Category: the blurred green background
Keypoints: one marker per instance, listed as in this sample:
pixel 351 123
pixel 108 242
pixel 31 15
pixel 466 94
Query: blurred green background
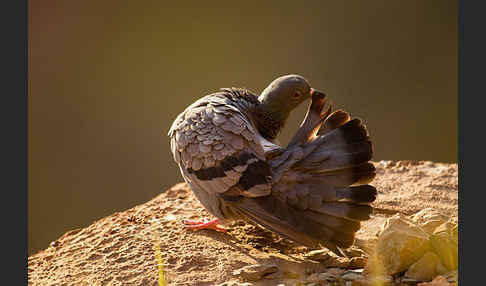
pixel 107 78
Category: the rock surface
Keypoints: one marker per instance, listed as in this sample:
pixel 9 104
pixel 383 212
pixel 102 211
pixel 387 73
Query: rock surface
pixel 444 242
pixel 401 243
pixel 429 219
pixel 121 249
pixel 255 272
pixel 426 268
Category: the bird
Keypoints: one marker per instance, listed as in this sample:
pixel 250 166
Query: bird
pixel 315 191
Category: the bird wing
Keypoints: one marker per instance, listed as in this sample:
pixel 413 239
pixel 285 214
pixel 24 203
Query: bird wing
pixel 320 190
pixel 218 148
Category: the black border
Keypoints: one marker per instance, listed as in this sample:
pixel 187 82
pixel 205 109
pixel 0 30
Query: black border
pixel 13 118
pixel 460 134
pixel 471 65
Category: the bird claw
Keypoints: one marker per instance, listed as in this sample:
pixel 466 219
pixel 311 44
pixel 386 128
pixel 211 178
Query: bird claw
pixel 195 225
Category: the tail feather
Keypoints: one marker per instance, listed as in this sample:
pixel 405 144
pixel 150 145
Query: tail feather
pixel 317 193
pixel 362 194
pixel 345 210
pixel 350 132
pixel 342 224
pixel 322 198
pixel 356 175
pixel 336 157
pixel 336 119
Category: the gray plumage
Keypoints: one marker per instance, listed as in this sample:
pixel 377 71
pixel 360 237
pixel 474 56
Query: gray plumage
pixel 314 191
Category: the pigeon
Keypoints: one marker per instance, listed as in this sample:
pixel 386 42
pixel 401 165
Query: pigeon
pixel 315 191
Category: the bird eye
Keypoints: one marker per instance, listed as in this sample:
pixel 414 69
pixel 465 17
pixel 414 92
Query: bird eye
pixel 296 94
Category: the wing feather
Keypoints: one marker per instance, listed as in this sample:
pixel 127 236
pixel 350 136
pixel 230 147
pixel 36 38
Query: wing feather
pixel 219 148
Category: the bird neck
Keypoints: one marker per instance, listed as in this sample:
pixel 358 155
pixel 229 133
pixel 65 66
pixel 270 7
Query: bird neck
pixel 270 119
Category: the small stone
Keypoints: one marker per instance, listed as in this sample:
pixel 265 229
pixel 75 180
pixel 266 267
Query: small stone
pixel 387 164
pixel 55 243
pixel 326 276
pixel 357 262
pixel 351 276
pixel 255 272
pixel 169 217
pixel 335 271
pixel 319 255
pixel 407 280
pixel 438 281
pixel 329 277
pixel 354 252
pixel 451 276
pixel 328 258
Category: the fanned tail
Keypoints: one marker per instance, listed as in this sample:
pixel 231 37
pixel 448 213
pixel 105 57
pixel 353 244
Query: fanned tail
pixel 322 194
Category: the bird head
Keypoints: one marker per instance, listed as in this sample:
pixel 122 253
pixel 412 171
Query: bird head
pixel 284 94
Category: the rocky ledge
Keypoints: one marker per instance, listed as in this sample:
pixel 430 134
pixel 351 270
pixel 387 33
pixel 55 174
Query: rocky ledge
pixel 410 240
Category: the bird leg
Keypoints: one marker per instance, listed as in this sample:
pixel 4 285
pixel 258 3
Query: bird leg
pixel 194 225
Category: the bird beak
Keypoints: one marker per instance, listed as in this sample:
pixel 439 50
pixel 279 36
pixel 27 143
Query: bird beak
pixel 318 95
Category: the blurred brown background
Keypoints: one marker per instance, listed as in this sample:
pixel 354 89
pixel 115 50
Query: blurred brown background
pixel 106 79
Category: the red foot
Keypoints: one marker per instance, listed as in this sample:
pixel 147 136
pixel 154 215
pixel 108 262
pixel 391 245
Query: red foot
pixel 194 225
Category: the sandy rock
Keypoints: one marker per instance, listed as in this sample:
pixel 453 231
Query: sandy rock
pixel 444 243
pixel 438 281
pixel 119 249
pixel 401 243
pixel 235 283
pixel 255 272
pixel 327 258
pixel 426 268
